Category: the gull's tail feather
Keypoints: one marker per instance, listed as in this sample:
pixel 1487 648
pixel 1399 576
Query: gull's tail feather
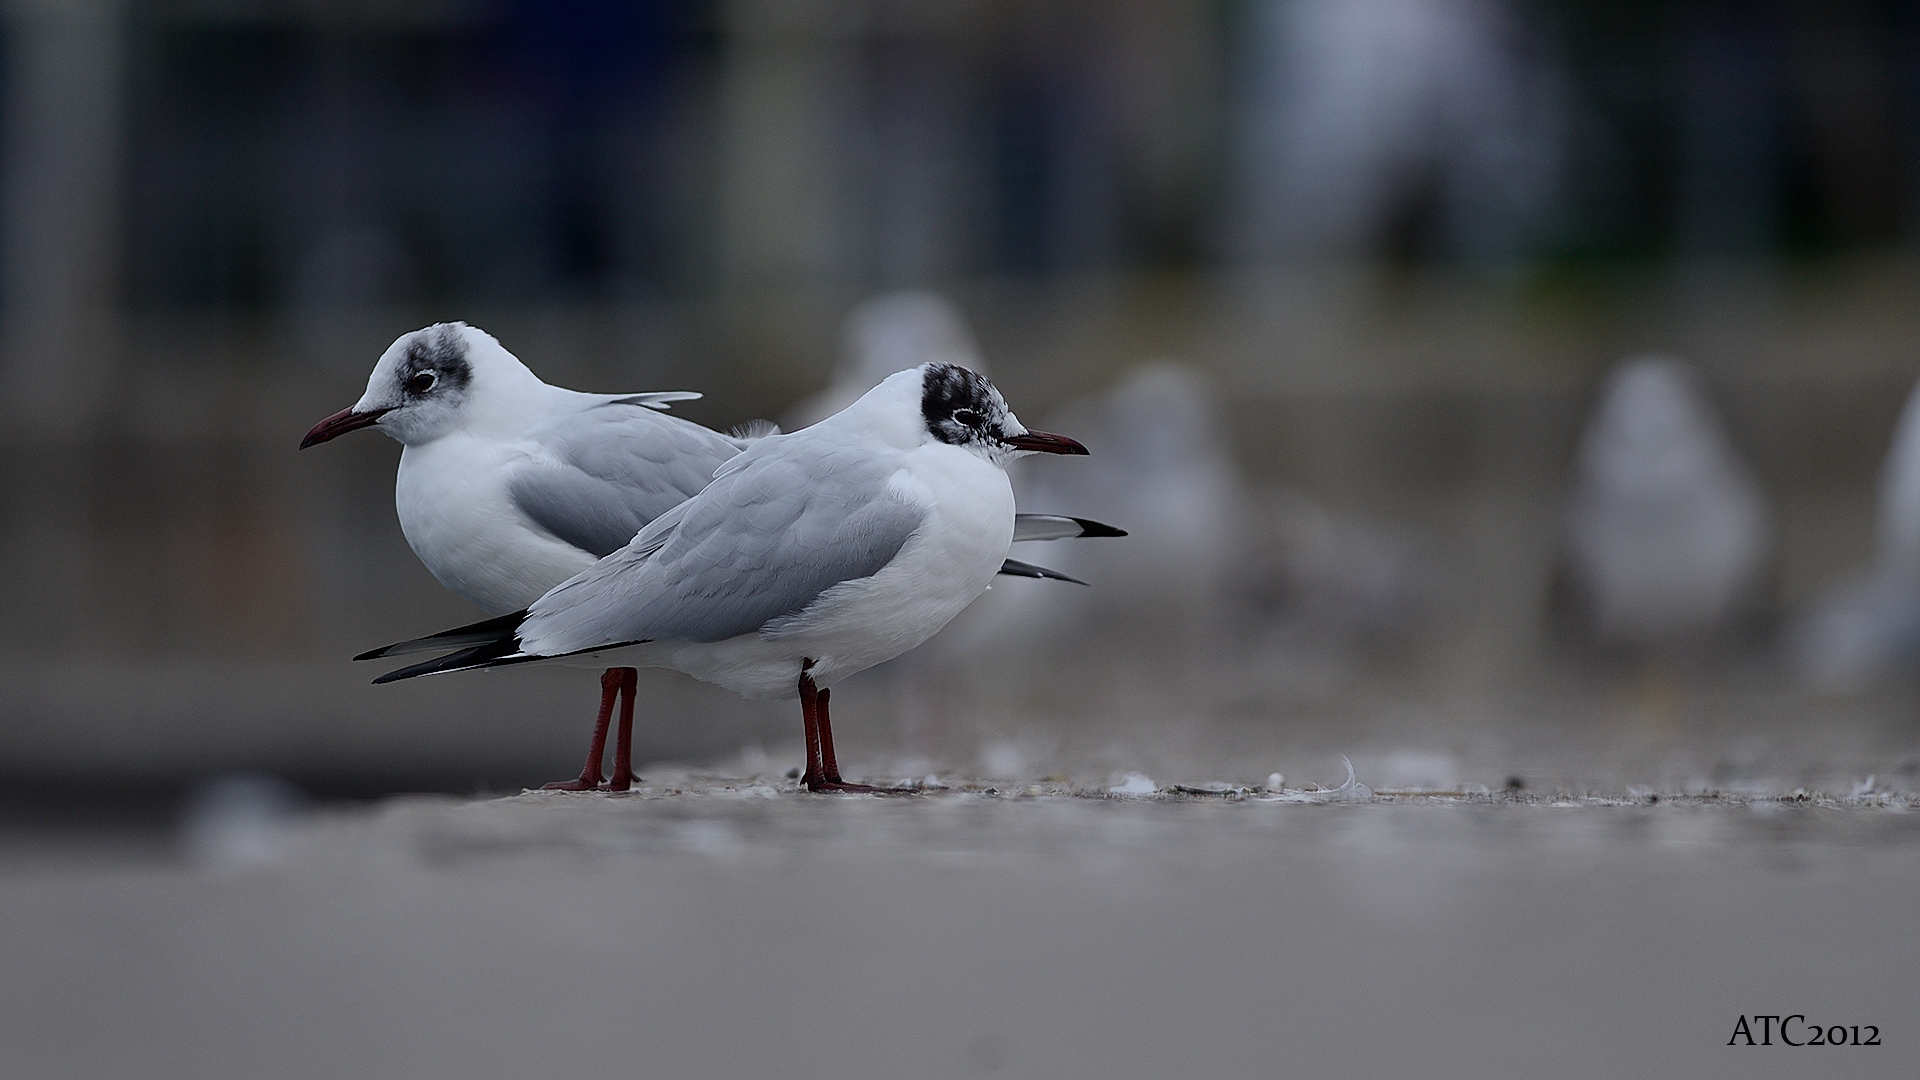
pixel 486 632
pixel 1016 568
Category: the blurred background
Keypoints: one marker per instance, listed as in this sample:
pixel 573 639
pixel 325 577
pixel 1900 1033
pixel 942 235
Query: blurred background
pixel 1498 391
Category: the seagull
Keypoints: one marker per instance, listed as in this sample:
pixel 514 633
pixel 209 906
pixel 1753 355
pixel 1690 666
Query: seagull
pixel 811 556
pixel 1666 527
pixel 508 485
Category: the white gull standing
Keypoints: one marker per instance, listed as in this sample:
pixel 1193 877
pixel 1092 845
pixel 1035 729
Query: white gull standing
pixel 811 556
pixel 508 486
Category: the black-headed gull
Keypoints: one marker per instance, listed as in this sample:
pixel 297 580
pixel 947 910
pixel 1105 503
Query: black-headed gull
pixel 508 486
pixel 811 556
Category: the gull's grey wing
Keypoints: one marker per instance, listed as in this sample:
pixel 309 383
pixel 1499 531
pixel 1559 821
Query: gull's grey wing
pixel 1058 527
pixel 764 541
pixel 610 469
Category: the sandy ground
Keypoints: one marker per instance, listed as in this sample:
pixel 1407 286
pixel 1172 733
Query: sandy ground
pixel 705 927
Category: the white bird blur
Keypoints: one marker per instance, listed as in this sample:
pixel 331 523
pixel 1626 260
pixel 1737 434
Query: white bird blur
pixel 1162 465
pixel 1666 528
pixel 508 486
pixel 1357 111
pixel 1869 622
pixel 811 556
pixel 892 332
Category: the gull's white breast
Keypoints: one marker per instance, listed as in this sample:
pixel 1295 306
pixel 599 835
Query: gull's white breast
pixel 459 517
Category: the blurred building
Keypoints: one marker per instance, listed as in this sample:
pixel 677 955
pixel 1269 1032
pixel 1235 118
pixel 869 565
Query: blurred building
pixel 258 154
pixel 1401 237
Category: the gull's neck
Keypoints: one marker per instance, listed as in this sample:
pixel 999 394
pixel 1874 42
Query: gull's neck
pixel 888 413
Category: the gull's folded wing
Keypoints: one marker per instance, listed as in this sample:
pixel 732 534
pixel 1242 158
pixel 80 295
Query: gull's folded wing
pixel 601 474
pixel 764 541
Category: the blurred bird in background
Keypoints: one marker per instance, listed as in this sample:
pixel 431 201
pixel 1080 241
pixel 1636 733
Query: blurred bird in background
pixel 1166 469
pixel 1666 529
pixel 1144 652
pixel 1864 627
pixel 891 332
pixel 1224 591
pixel 1421 124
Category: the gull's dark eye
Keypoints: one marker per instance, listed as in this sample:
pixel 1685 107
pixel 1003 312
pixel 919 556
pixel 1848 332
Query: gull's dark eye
pixel 967 417
pixel 422 381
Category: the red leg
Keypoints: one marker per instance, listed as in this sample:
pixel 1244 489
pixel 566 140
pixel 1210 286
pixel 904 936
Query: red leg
pixel 810 720
pixel 623 777
pixel 829 767
pixel 590 775
pixel 823 772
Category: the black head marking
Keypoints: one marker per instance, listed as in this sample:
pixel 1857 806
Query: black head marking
pixel 436 362
pixel 960 406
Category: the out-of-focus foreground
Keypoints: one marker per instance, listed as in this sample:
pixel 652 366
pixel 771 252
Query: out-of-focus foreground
pixel 741 930
pixel 1492 390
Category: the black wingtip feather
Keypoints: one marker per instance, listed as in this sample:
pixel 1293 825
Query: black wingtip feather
pixel 1016 568
pixel 492 654
pixel 1089 527
pixel 481 633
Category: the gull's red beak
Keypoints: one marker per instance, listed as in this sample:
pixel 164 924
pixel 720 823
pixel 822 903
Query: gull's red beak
pixel 1045 443
pixel 347 420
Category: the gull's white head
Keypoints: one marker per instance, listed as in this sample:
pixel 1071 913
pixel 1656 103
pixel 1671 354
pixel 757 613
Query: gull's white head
pixel 428 383
pixel 959 407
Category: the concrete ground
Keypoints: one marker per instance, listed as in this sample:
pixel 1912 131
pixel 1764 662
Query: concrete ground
pixel 702 926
